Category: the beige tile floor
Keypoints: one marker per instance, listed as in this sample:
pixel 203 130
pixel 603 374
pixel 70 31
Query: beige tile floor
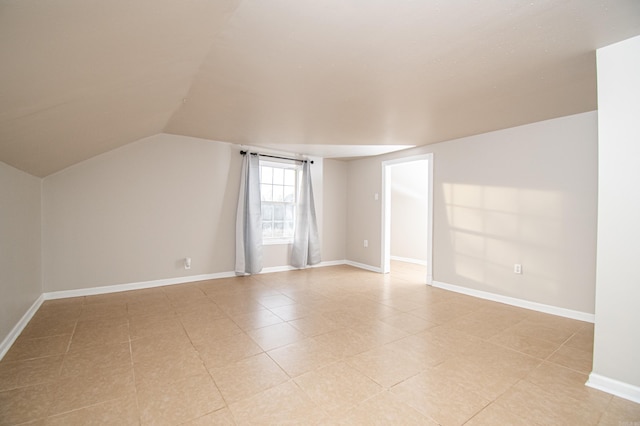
pixel 333 345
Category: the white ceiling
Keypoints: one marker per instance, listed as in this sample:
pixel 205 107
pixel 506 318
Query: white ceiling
pixel 81 77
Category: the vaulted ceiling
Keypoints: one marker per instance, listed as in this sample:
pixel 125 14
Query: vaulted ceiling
pixel 82 77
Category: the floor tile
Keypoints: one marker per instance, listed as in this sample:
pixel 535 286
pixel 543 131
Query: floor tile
pixel 315 324
pixel 408 323
pixel 275 336
pixel 386 409
pixel 145 326
pixel 104 310
pixel 46 327
pixel 563 382
pixel 238 305
pixel 302 356
pixel 476 327
pixel 25 404
pixel 28 348
pixel 582 339
pixel 286 403
pixel 258 319
pixel 337 387
pixel 247 377
pixel 153 347
pixel 440 313
pixel 275 301
pixel 345 342
pixel 185 399
pixel 379 333
pixel 221 417
pixel 84 338
pixel 291 312
pixel 526 344
pixel 576 359
pixel 494 414
pixel 439 399
pixel 123 411
pixel 218 353
pixel 143 307
pixel 621 412
pixel 169 367
pixel 537 406
pixel 17 374
pixel 104 358
pixel 93 388
pixel 387 365
pixel 544 330
pixel 484 376
pixel 219 328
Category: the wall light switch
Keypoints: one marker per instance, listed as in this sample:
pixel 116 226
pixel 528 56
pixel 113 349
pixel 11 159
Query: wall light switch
pixel 366 243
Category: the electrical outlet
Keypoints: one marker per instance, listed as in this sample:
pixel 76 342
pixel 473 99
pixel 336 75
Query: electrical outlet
pixel 365 243
pixel 187 263
pixel 517 268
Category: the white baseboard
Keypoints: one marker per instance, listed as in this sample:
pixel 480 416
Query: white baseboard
pixel 614 387
pixel 133 286
pixel 285 268
pixel 17 329
pixel 271 269
pixel 330 263
pixel 363 266
pixel 521 303
pixel 409 260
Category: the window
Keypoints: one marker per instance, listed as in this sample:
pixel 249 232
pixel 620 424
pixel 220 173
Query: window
pixel 279 189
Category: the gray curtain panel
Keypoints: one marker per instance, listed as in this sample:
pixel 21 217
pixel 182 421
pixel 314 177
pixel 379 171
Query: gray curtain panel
pixel 249 219
pixel 306 242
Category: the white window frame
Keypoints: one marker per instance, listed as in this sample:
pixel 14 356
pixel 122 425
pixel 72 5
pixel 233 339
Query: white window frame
pixel 282 165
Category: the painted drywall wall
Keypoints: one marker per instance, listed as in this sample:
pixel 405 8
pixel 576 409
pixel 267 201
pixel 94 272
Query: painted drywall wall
pixel 335 210
pixel 616 344
pixel 363 212
pixel 20 265
pixel 409 204
pixel 524 195
pixel 133 214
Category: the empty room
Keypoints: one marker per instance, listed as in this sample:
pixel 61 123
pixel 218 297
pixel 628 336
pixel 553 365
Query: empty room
pixel 319 212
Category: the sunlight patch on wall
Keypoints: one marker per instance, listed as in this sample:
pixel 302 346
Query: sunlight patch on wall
pixel 494 227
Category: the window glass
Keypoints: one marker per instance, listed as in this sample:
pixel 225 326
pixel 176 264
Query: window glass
pixel 266 174
pixel 279 187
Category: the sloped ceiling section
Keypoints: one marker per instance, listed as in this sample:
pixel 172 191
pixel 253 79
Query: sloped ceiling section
pixel 81 77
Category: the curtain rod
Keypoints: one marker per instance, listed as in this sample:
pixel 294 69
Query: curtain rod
pixel 275 156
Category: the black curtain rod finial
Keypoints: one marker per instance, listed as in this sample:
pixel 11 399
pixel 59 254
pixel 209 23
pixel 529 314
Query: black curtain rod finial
pixel 275 156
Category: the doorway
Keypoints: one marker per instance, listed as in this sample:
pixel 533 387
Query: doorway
pixel 411 180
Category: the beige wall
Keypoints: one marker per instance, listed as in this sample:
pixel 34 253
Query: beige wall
pixel 20 265
pixel 335 210
pixel 522 195
pixel 364 179
pixel 409 203
pixel 133 214
pixel 617 345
